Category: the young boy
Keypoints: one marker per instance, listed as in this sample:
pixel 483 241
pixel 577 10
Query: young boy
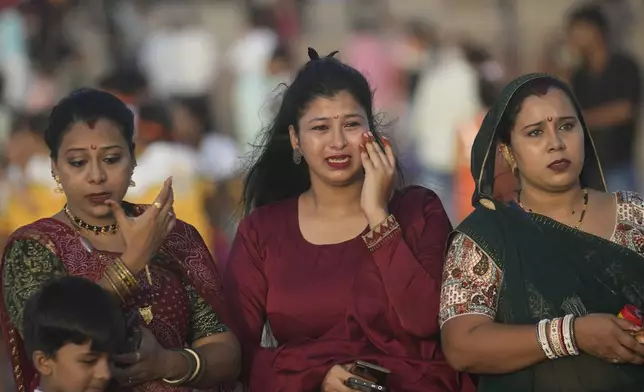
pixel 70 329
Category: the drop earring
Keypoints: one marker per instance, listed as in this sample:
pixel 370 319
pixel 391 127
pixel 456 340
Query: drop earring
pixel 297 156
pixel 59 187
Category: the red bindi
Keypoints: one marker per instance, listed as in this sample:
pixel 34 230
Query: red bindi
pixel 93 147
pixel 336 116
pixel 549 119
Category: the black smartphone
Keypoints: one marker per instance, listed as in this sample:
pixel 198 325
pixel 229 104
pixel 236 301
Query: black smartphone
pixel 363 386
pixel 371 372
pixel 133 338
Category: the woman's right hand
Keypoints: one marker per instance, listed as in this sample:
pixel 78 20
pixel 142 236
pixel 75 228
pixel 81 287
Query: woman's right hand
pixel 144 234
pixel 335 379
pixel 610 338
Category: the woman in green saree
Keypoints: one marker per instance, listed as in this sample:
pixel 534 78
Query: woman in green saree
pixel 535 276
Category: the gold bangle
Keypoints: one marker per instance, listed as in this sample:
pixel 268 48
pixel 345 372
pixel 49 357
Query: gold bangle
pixel 116 290
pixel 125 275
pixel 122 279
pixel 119 263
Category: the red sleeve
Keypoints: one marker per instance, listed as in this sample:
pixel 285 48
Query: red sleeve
pixel 410 260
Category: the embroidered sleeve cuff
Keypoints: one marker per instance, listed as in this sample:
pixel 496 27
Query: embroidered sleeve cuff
pixel 379 235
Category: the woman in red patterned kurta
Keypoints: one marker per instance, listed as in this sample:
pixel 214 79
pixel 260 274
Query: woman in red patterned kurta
pixel 156 265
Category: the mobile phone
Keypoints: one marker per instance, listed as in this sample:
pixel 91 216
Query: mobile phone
pixel 371 372
pixel 364 386
pixel 133 338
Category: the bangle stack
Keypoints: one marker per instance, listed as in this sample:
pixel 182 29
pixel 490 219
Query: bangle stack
pixel 121 279
pixel 557 337
pixel 194 368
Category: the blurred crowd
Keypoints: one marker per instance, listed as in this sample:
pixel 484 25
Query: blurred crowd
pixel 200 106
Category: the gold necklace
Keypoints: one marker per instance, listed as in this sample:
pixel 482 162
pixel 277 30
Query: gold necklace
pixel 583 211
pixel 97 230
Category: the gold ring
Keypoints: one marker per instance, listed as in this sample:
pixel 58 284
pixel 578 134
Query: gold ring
pixel 157 205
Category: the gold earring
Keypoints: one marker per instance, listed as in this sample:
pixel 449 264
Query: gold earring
pixel 59 187
pixel 132 184
pixel 297 156
pixel 509 159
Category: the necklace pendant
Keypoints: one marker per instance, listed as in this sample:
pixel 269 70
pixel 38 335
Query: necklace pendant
pixel 147 315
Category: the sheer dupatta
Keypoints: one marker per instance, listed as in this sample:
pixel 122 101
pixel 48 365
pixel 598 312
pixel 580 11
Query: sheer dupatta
pixel 549 269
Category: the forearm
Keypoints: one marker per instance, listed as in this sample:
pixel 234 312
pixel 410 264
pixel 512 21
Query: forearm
pixel 494 348
pixel 222 361
pixel 219 362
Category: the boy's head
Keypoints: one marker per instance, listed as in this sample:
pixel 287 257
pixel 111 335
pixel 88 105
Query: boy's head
pixel 70 329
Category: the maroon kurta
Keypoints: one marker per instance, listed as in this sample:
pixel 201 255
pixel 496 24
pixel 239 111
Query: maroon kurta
pixel 333 304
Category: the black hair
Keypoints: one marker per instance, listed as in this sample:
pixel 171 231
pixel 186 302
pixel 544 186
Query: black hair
pixel 538 87
pixel 488 92
pixel 199 108
pixel 35 123
pixel 155 112
pixel 282 52
pixel 261 17
pixel 88 105
pixel 476 55
pixel 72 310
pixel 592 15
pixel 273 176
pixel 127 81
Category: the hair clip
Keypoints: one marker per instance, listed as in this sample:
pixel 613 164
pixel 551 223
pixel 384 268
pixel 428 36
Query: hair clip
pixel 314 55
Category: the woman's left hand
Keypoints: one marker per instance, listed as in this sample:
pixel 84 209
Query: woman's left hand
pixel 148 363
pixel 380 170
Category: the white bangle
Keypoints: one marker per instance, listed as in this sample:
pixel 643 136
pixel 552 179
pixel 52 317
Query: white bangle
pixel 198 364
pixel 194 365
pixel 542 338
pixel 556 340
pixel 569 334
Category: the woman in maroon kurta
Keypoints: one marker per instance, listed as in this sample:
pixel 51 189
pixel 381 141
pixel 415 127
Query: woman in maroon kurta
pixel 332 266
